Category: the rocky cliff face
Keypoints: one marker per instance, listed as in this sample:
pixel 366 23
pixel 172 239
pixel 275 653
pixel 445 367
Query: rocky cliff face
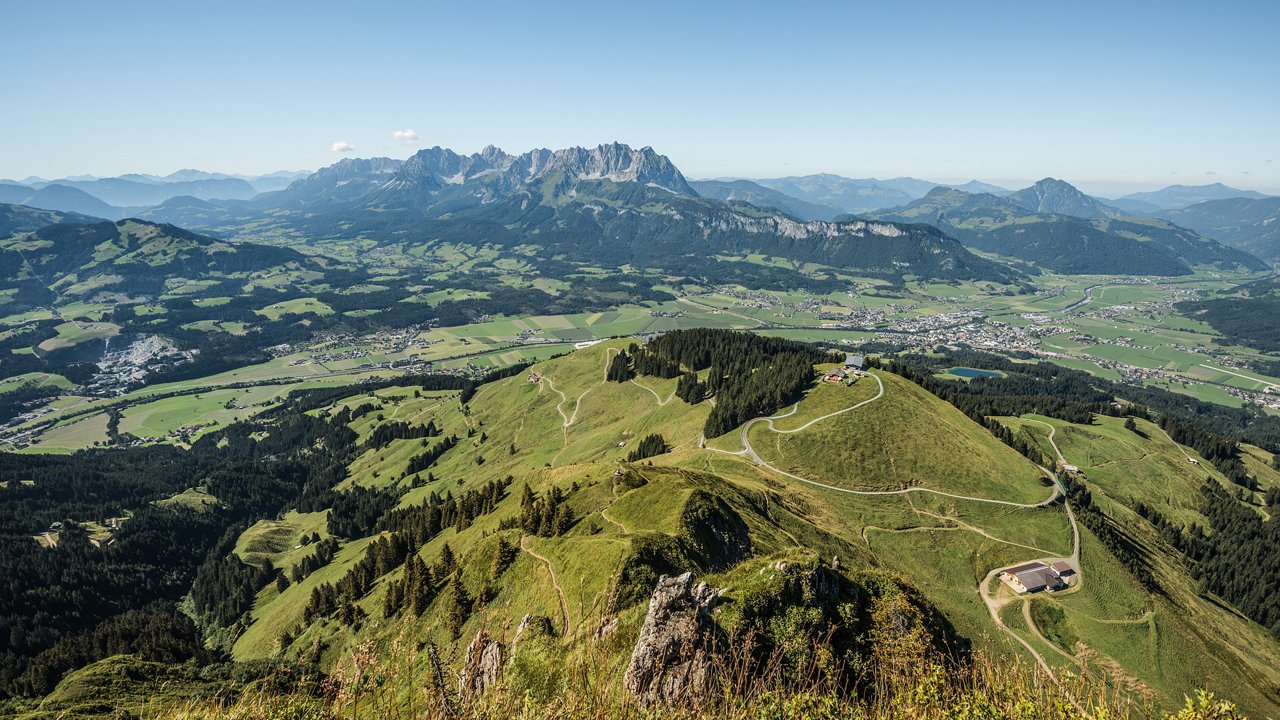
pixel 620 163
pixel 481 666
pixel 674 657
pixel 492 173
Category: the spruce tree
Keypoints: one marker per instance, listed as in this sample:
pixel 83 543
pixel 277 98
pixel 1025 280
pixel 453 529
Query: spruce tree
pixel 503 556
pixel 459 606
pixel 448 563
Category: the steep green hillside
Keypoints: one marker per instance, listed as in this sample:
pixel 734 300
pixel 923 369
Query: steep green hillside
pixel 1176 632
pixel 1251 224
pixel 936 486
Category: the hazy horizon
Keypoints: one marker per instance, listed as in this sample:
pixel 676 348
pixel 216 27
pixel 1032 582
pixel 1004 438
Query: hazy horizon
pixel 1103 188
pixel 1113 100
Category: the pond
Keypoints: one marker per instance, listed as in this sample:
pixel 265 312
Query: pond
pixel 965 372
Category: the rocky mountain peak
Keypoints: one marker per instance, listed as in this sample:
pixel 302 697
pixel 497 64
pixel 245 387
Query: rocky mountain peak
pixel 1058 197
pixel 621 163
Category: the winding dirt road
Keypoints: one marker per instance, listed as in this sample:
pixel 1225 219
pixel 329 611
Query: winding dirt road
pixel 993 606
pixel 655 395
pixel 750 452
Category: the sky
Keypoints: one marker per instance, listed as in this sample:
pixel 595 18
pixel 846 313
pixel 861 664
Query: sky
pixel 1111 96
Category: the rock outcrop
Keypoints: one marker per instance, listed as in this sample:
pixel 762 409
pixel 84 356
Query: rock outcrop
pixel 674 657
pixel 481 666
pixel 530 626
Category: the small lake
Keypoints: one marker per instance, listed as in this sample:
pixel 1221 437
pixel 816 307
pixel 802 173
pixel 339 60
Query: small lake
pixel 965 372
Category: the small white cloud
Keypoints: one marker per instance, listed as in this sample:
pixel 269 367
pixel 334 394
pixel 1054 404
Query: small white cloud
pixel 342 146
pixel 406 136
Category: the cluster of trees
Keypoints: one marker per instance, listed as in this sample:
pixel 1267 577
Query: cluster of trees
pixel 426 459
pixel 355 512
pixel 1248 321
pixel 1270 368
pixel 744 389
pixel 750 375
pixel 421 584
pixel 381 557
pixel 416 588
pixel 650 445
pixel 620 368
pixel 385 433
pixel 225 588
pixel 652 364
pixel 547 516
pixel 1042 388
pixel 1026 446
pixel 348 414
pixel 408 530
pixel 690 389
pixel 425 521
pixel 321 556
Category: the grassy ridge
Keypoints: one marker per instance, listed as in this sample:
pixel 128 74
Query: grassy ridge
pixel 572 430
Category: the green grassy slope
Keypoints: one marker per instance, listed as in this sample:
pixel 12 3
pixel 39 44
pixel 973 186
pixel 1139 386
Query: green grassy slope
pixel 1165 640
pixel 882 447
pixel 705 510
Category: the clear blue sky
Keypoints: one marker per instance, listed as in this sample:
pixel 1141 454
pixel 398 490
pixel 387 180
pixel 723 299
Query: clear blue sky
pixel 1111 96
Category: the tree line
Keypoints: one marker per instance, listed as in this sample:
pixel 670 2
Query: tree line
pixel 750 375
pixel 1235 556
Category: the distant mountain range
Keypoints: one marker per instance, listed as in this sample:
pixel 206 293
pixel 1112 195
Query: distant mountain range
pixel 611 205
pixel 1055 226
pixel 61 198
pixel 117 197
pixel 761 196
pixel 859 196
pixel 122 192
pixel 1180 196
pixel 634 205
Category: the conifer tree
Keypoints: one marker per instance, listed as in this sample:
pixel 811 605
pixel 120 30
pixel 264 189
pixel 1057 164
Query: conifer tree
pixel 459 605
pixel 503 556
